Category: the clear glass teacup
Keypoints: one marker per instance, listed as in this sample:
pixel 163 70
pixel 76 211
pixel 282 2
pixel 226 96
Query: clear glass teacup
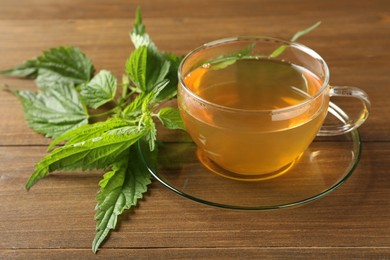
pixel 254 104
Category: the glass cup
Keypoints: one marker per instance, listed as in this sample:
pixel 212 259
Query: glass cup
pixel 253 105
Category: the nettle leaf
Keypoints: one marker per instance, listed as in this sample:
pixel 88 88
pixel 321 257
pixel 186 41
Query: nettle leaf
pixel 64 64
pixel 89 131
pixel 170 90
pixel 150 131
pixel 138 36
pixel 120 189
pixel 29 69
pixel 136 67
pixel 142 101
pixel 100 90
pixel 157 69
pixel 151 98
pixel 135 107
pixel 67 65
pixel 224 61
pixel 152 66
pixel 147 68
pixel 296 36
pixel 94 153
pixel 170 118
pixel 53 111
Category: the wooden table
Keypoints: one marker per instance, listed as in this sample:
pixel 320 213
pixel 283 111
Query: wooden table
pixel 55 219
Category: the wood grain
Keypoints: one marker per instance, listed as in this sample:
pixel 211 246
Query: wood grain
pixel 65 201
pixel 355 57
pixel 55 218
pixel 203 253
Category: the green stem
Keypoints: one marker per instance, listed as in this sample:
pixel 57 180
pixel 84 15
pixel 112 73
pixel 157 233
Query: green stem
pixel 125 87
pixel 111 111
pixel 122 102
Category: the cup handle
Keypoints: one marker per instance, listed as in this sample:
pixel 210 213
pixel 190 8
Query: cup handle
pixel 349 124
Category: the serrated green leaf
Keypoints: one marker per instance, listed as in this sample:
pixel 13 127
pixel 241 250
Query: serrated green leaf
pixel 120 189
pixel 53 111
pixel 158 65
pixel 138 36
pixel 136 67
pixel 142 102
pixel 170 90
pixel 93 153
pixel 67 65
pixel 170 118
pixel 88 131
pixel 106 178
pixel 111 181
pixel 100 90
pixel 151 98
pixel 135 107
pixel 150 131
pixel 146 68
pixel 157 69
pixel 29 69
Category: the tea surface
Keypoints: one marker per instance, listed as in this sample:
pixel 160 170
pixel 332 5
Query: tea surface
pixel 254 84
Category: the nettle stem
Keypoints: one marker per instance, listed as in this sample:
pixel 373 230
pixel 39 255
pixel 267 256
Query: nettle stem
pixel 108 112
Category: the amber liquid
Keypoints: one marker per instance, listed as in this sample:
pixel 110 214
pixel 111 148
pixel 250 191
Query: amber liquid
pixel 253 142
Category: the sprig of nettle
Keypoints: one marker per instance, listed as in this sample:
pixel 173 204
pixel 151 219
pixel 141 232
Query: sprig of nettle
pixel 69 96
pixel 67 107
pixel 224 61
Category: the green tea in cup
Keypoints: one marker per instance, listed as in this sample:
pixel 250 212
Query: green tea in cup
pixel 253 113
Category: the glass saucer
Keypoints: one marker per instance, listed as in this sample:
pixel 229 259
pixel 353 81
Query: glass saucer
pixel 322 168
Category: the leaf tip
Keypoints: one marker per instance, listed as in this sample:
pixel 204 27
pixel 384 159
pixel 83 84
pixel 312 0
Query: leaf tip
pixel 99 238
pixel 39 173
pixel 138 15
pixel 138 27
pixel 95 249
pixel 29 184
pixel 318 23
pixel 7 88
